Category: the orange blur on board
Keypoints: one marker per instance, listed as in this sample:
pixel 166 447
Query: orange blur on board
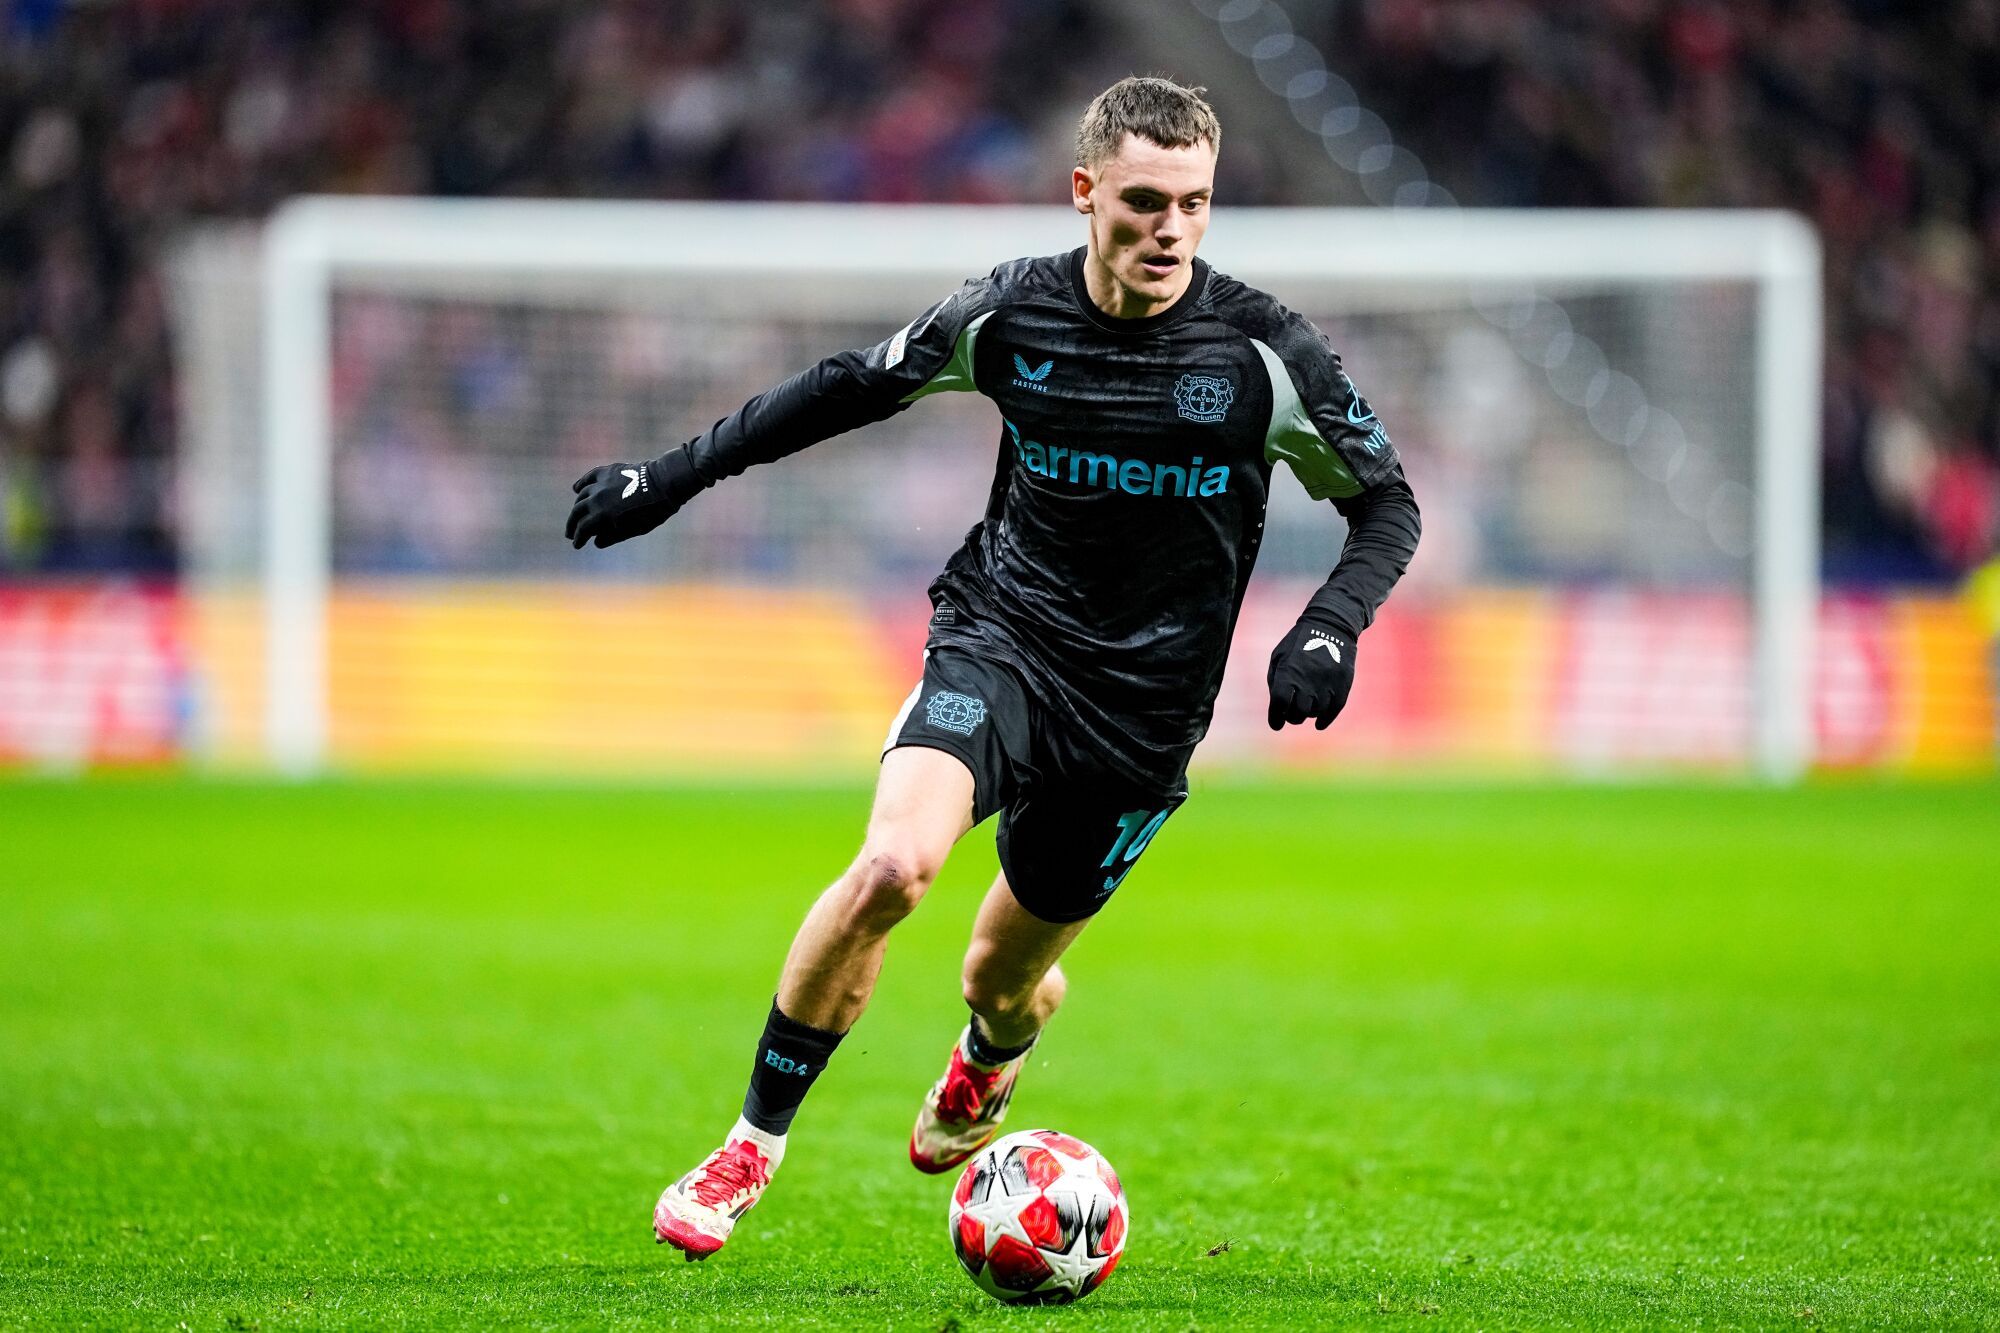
pixel 695 680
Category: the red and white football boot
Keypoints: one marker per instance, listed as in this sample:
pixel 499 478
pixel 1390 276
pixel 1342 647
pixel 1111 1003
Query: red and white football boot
pixel 697 1212
pixel 963 1112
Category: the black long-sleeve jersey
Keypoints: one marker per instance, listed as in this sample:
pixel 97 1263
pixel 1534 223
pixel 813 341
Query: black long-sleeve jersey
pixel 1128 504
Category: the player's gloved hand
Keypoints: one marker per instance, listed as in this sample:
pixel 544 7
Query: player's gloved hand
pixel 1312 669
pixel 621 500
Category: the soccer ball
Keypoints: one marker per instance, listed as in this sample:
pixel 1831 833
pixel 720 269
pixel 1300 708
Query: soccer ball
pixel 1038 1218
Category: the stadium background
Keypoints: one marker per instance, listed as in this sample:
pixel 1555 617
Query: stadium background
pixel 135 127
pixel 1401 1022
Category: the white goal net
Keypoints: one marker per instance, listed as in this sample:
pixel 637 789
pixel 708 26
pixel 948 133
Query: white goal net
pixel 1610 420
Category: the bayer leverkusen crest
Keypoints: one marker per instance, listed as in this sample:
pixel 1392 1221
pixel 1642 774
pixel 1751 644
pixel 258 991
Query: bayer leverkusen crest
pixel 949 710
pixel 1204 398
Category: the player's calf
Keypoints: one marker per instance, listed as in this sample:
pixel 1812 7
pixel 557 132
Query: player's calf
pixel 1011 1013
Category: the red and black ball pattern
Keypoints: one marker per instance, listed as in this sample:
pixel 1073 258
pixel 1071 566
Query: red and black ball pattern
pixel 1038 1217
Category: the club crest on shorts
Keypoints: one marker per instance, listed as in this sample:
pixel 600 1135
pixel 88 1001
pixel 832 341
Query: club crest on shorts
pixel 949 711
pixel 1204 398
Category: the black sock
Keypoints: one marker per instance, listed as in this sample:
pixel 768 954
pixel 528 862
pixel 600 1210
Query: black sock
pixel 789 1058
pixel 983 1051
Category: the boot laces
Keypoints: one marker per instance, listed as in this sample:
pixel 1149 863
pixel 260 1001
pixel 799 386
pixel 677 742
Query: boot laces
pixel 738 1167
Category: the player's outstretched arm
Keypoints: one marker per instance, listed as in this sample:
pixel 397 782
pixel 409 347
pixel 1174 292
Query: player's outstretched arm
pixel 932 353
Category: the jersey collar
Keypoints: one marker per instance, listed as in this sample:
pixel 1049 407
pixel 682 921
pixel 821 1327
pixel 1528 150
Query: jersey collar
pixel 1180 309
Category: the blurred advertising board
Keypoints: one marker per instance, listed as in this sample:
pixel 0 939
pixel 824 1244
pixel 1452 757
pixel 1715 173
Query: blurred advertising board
pixel 520 677
pixel 93 673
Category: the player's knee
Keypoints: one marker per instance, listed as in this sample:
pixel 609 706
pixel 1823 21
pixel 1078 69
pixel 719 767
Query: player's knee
pixel 886 884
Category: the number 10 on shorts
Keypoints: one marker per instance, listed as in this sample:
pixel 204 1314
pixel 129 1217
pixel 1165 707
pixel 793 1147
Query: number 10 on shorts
pixel 1135 829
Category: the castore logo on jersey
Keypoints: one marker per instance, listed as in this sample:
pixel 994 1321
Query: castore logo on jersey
pixel 1031 379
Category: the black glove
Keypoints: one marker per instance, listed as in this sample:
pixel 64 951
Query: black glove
pixel 1312 669
pixel 621 500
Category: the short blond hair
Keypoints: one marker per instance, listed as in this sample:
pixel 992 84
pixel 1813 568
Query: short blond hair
pixel 1157 110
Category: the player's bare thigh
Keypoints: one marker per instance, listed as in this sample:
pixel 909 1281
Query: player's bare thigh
pixel 923 805
pixel 922 796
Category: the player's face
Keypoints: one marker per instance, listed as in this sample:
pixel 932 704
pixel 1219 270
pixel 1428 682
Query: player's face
pixel 1148 210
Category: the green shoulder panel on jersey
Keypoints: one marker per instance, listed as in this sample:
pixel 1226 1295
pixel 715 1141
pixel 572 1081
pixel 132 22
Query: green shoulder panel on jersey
pixel 1293 438
pixel 956 375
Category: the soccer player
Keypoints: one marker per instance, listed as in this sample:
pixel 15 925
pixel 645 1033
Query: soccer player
pixel 1078 636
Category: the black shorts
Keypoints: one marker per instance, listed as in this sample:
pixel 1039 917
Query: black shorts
pixel 1071 824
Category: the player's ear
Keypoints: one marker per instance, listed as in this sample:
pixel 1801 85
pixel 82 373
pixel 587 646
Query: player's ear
pixel 1081 184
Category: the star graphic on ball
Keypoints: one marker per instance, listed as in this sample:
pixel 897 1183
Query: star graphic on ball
pixel 1038 1217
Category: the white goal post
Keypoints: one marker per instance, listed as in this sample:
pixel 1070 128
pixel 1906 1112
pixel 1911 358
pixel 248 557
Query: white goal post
pixel 831 256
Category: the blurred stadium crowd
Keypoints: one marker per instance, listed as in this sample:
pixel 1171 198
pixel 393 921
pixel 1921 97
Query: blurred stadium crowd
pixel 1879 120
pixel 120 122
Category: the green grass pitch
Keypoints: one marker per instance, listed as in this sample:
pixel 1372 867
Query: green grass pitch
pixel 1452 1057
